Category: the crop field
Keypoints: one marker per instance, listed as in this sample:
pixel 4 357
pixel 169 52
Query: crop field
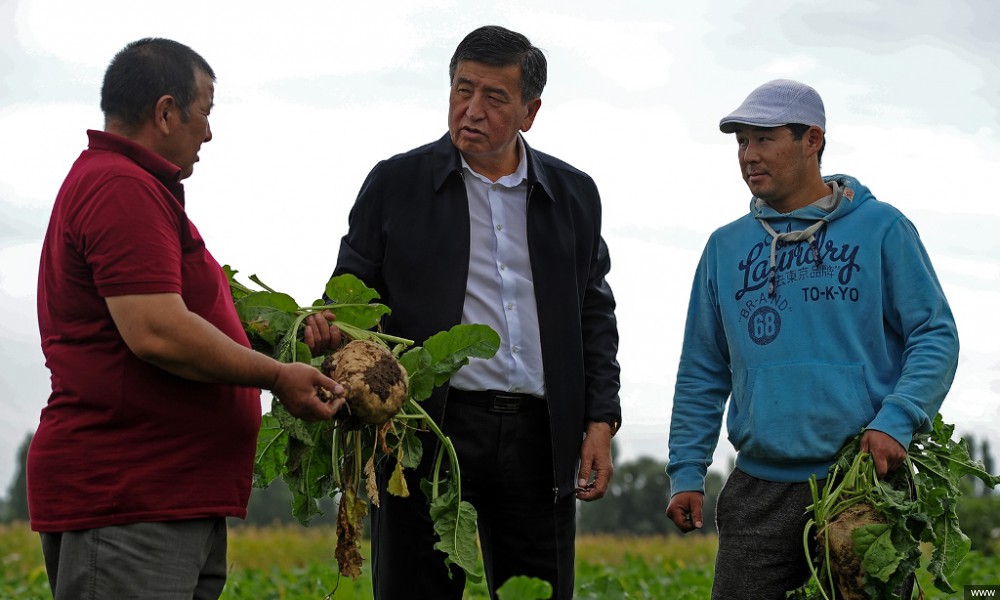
pixel 296 563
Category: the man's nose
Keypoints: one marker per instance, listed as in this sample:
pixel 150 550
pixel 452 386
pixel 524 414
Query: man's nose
pixel 476 108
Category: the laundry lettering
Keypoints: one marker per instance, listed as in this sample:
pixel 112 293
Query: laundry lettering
pixel 837 260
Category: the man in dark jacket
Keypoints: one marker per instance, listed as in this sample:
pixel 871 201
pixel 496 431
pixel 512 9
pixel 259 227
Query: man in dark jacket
pixel 479 228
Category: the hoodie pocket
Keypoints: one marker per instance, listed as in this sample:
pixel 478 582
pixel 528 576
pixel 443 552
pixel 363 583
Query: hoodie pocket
pixel 800 412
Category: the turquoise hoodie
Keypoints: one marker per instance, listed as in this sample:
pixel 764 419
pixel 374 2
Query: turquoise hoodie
pixel 838 326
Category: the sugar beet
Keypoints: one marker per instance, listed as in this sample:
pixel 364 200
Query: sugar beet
pixel 844 562
pixel 375 382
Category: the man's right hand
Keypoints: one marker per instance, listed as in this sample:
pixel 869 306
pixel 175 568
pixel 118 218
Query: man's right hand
pixel 319 333
pixel 296 388
pixel 685 510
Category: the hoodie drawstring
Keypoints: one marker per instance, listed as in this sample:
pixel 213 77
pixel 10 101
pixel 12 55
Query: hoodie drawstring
pixel 791 236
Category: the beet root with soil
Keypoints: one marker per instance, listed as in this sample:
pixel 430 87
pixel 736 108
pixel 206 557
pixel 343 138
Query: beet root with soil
pixel 375 381
pixel 848 572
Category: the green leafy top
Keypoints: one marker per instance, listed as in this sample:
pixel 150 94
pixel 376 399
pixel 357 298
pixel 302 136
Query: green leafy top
pixel 918 502
pixel 334 458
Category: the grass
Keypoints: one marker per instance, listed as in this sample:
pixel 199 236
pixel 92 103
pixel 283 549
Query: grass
pixel 289 562
pixel 22 568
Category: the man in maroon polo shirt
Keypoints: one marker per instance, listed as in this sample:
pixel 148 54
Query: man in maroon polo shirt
pixel 147 442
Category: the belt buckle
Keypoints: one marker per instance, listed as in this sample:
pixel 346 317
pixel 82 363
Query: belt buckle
pixel 504 403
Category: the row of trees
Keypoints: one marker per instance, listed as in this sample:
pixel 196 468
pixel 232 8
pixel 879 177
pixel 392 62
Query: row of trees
pixel 636 501
pixel 634 505
pixel 15 506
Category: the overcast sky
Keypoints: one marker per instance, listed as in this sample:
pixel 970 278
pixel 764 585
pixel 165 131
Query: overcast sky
pixel 310 95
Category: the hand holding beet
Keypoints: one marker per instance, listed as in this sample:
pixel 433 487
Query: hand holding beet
pixel 299 387
pixel 887 454
pixel 870 528
pixel 320 334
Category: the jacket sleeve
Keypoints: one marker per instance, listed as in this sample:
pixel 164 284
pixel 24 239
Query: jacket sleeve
pixel 362 248
pixel 600 343
pixel 916 309
pixel 704 382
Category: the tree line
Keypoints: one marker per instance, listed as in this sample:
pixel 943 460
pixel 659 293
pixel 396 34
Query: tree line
pixel 634 505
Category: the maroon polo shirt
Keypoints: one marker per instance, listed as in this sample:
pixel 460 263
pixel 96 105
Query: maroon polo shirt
pixel 120 440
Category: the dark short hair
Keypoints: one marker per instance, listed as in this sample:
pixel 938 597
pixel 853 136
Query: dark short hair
pixel 499 47
pixel 144 71
pixel 798 130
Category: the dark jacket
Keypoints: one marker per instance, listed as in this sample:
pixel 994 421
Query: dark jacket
pixel 409 239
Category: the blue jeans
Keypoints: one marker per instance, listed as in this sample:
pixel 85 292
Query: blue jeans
pixel 173 560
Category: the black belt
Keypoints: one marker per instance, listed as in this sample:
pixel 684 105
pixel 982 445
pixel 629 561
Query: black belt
pixel 495 401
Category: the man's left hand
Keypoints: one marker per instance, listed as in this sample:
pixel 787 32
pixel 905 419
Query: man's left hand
pixel 595 463
pixel 886 452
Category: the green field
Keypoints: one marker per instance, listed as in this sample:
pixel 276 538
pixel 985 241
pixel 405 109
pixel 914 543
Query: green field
pixel 296 563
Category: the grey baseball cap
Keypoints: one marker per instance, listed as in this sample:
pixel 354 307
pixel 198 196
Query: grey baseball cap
pixel 778 103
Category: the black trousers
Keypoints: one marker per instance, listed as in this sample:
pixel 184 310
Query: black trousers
pixel 507 475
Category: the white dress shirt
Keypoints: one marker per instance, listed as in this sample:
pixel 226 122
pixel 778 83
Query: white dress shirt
pixel 500 292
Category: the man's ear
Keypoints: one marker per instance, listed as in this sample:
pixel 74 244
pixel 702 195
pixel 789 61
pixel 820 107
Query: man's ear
pixel 166 114
pixel 533 106
pixel 814 139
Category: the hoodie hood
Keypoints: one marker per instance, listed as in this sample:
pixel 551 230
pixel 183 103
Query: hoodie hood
pixel 847 194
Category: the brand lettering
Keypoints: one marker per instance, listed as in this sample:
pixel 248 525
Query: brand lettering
pixel 795 261
pixel 830 292
pixel 752 304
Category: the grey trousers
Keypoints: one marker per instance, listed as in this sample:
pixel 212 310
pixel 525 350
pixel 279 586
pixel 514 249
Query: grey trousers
pixel 761 554
pixel 174 560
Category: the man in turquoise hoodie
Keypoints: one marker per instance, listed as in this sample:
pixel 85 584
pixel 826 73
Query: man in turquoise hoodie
pixel 819 314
